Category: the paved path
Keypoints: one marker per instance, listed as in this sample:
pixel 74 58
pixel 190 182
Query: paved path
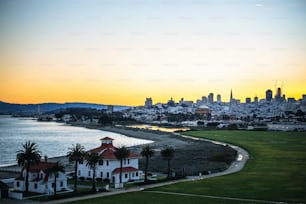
pixel 235 167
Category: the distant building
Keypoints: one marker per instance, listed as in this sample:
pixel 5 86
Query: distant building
pixel 203 111
pixel 211 98
pixel 256 99
pixel 291 100
pixel 204 99
pixel 247 100
pixel 278 96
pixel 219 98
pixel 148 103
pixel 171 102
pixel 269 95
pixel 110 109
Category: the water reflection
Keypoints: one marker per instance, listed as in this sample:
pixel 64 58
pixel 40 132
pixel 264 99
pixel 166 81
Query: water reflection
pixel 154 127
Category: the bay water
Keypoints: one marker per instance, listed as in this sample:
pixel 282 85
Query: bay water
pixel 53 139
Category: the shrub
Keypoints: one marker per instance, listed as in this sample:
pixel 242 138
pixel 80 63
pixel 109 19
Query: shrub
pixel 99 179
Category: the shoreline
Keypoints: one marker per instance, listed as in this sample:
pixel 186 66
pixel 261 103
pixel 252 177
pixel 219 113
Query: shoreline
pixel 191 156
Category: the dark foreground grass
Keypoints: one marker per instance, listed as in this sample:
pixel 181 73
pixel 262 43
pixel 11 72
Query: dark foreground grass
pixel 275 171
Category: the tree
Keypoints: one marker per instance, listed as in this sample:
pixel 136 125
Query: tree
pixel 27 157
pixel 55 169
pixel 121 154
pixel 167 154
pixel 76 153
pixel 147 152
pixel 92 160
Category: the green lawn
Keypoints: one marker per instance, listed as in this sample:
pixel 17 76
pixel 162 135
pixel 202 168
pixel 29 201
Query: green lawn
pixel 275 171
pixel 154 198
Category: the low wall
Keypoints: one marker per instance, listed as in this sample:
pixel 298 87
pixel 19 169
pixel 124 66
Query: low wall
pixel 15 195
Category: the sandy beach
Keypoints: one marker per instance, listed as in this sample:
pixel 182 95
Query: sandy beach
pixel 191 156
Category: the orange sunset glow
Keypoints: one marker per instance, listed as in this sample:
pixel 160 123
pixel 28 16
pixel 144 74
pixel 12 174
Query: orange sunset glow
pixel 124 51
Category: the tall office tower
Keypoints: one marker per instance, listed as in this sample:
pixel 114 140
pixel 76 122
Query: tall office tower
pixel 278 96
pixel 204 99
pixel 219 98
pixel 211 98
pixel 269 95
pixel 255 99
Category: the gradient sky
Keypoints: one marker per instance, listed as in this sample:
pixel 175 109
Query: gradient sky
pixel 122 51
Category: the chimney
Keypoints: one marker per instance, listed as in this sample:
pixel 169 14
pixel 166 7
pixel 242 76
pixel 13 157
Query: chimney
pixel 46 158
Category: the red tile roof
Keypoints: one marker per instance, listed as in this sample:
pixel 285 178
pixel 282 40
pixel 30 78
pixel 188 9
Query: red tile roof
pixel 107 138
pixel 41 166
pixel 124 170
pixel 107 151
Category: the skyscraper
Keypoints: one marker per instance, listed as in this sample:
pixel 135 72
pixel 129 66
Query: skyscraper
pixel 219 98
pixel 278 96
pixel 255 99
pixel 269 95
pixel 211 98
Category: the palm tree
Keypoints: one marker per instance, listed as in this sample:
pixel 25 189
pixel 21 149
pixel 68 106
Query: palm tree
pixel 121 154
pixel 167 153
pixel 92 160
pixel 27 157
pixel 55 169
pixel 147 152
pixel 76 153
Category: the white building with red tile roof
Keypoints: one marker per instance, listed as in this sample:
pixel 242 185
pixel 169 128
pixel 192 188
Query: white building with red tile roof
pixel 109 167
pixel 40 181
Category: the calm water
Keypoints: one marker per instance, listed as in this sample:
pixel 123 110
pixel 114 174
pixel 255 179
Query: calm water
pixel 53 139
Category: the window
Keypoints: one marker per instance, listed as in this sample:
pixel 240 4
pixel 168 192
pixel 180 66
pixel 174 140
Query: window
pixel 107 163
pixel 101 163
pixel 79 172
pixel 124 162
pixel 35 185
pixel 133 174
pixel 89 173
pixel 101 174
pixel 61 184
pixel 136 173
pixel 128 161
pixel 80 162
pixel 125 175
pixel 107 174
pixel 53 184
pixel 17 184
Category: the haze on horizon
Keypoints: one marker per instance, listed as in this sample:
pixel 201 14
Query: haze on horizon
pixel 122 51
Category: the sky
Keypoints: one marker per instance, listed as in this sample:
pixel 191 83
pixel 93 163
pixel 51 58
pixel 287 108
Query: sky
pixel 123 51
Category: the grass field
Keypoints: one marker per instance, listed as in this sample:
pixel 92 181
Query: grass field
pixel 275 171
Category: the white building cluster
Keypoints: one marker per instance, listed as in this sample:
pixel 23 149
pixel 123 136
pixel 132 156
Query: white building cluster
pixel 276 109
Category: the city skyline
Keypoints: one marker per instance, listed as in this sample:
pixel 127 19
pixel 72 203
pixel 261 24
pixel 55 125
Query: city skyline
pixel 120 52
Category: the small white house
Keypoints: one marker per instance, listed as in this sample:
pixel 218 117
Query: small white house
pixel 109 167
pixel 39 179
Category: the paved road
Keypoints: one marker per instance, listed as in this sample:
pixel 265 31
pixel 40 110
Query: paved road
pixel 235 167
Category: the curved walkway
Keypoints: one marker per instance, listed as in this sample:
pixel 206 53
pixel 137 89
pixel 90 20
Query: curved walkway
pixel 236 166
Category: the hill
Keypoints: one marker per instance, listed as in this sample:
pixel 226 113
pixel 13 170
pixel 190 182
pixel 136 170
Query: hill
pixel 11 108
